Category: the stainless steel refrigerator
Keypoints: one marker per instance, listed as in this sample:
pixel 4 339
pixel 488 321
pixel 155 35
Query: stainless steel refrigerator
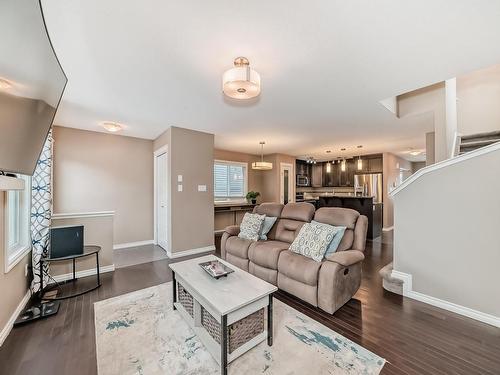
pixel 369 185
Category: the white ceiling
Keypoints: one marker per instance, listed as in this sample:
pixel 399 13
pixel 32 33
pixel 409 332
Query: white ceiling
pixel 324 66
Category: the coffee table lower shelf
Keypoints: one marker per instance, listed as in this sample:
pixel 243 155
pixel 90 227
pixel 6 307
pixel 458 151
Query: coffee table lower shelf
pixel 249 319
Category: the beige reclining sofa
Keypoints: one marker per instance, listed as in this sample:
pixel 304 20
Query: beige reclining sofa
pixel 328 284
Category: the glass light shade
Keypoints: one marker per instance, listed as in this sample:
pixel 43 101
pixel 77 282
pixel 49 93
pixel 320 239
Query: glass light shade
pixel 328 167
pixel 360 164
pixel 262 165
pixel 342 166
pixel 112 126
pixel 241 82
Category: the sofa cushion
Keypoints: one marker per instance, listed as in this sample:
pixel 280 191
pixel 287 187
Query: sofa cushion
pixel 286 230
pixel 237 261
pixel 264 273
pixel 307 293
pixel 268 209
pixel 313 240
pixel 299 268
pixel 337 216
pixel 238 246
pixel 251 226
pixel 347 240
pixel 302 211
pixel 266 253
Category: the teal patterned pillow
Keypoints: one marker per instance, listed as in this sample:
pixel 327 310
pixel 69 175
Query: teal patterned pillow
pixel 250 226
pixel 313 240
pixel 339 234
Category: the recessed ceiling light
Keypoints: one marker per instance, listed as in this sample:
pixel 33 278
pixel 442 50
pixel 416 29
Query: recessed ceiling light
pixel 112 126
pixel 4 84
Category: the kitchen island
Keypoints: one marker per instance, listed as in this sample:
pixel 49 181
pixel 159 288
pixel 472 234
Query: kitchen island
pixel 363 204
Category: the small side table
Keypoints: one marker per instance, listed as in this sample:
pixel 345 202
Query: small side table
pixel 87 251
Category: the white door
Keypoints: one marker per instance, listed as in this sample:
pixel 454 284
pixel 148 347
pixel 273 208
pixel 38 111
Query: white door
pixel 287 180
pixel 161 200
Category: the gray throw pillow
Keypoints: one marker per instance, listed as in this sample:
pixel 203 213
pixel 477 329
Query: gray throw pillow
pixel 251 226
pixel 313 240
pixel 266 227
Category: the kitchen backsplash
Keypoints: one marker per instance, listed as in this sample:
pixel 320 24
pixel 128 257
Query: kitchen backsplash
pixel 325 189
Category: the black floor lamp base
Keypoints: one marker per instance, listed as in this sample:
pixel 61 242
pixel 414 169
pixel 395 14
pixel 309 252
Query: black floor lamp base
pixel 38 311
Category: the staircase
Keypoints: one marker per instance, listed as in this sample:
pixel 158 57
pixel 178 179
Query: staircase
pixel 474 141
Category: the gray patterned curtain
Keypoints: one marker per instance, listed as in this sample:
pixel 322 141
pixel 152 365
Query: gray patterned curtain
pixel 41 212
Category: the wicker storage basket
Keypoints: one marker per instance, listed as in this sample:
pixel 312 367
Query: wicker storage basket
pixel 185 299
pixel 239 332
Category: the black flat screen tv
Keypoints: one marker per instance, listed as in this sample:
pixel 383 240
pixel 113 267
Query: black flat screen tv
pixel 31 85
pixel 66 241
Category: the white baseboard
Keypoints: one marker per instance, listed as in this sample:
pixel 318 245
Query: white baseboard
pixel 132 244
pixel 184 253
pixel 10 323
pixel 388 229
pixel 446 305
pixel 84 273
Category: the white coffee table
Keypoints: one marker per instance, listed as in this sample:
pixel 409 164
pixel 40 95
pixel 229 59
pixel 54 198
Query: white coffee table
pixel 228 300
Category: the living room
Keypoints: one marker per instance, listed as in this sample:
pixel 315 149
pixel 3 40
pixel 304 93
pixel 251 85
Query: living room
pixel 193 188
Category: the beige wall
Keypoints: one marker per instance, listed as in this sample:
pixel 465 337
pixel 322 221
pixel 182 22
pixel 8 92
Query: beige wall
pixel 479 97
pixel 190 154
pixel 254 176
pixel 446 233
pixel 98 231
pixel 104 172
pixel 13 284
pixel 271 179
pixel 391 173
pixel 431 99
pixel 430 148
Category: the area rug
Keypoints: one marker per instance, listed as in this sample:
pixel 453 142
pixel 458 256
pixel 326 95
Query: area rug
pixel 139 333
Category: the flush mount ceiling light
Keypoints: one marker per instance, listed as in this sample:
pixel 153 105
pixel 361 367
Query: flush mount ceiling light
pixel 262 165
pixel 241 82
pixel 112 126
pixel 4 84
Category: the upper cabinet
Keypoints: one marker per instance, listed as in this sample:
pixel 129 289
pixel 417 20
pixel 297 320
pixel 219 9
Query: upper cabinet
pixel 322 175
pixel 375 165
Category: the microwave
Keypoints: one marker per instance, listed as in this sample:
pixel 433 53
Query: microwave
pixel 302 180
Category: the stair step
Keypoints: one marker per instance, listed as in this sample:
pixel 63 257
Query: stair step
pixel 481 136
pixel 477 144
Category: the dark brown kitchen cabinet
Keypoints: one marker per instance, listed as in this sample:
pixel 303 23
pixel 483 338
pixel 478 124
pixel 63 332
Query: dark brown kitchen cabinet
pixel 330 177
pixel 317 175
pixel 375 165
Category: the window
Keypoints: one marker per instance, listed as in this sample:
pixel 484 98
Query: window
pixel 17 224
pixel 230 180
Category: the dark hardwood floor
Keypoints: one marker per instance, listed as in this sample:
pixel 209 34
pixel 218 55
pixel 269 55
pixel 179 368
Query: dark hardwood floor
pixel 413 337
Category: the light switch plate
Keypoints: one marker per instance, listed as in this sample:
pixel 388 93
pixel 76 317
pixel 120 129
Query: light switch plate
pixel 202 187
pixel 179 178
pixel 179 187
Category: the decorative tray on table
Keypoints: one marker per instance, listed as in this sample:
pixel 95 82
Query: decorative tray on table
pixel 216 269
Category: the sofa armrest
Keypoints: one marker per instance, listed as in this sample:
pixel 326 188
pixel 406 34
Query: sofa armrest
pixel 232 230
pixel 346 258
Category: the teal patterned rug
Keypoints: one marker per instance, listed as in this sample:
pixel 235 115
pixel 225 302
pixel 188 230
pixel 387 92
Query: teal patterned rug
pixel 139 333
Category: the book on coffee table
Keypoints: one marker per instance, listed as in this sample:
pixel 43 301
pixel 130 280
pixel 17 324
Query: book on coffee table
pixel 216 269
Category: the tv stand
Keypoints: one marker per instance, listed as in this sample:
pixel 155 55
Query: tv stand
pixel 87 251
